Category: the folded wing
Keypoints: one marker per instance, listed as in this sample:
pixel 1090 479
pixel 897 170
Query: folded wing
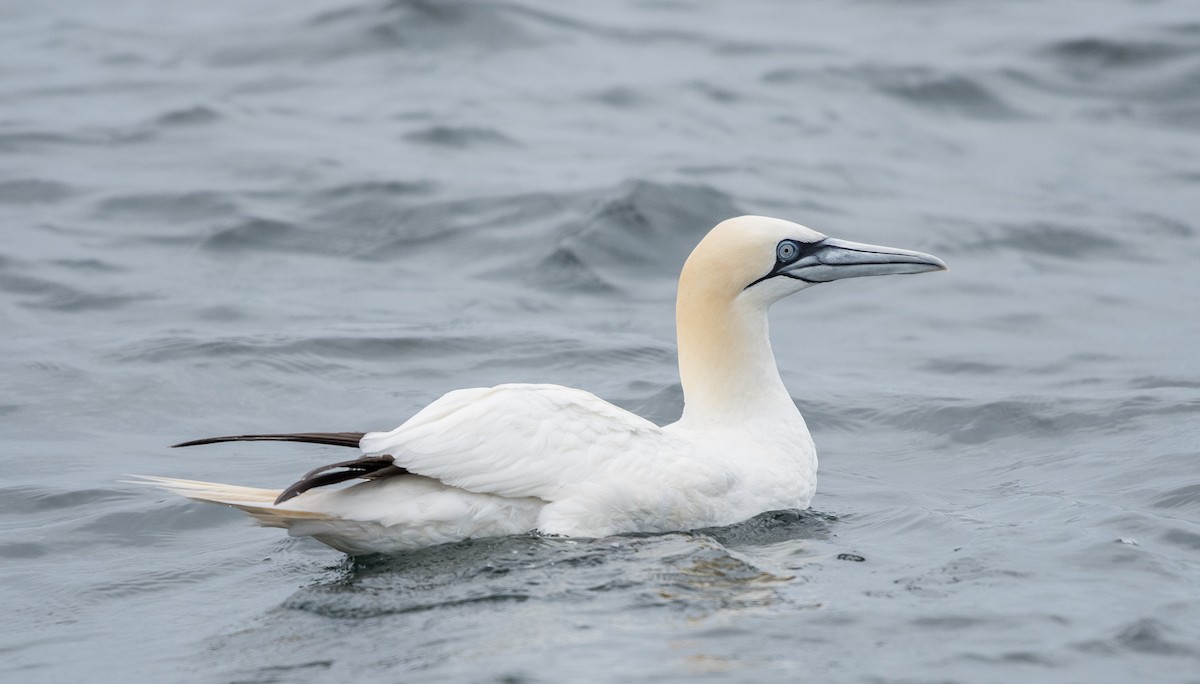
pixel 517 440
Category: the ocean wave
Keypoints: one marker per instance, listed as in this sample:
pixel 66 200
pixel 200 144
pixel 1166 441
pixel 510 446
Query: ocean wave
pixel 1146 635
pixel 169 206
pixel 460 137
pixel 643 228
pixel 928 88
pixel 1149 75
pixel 43 294
pixel 364 348
pixel 1041 239
pixel 34 191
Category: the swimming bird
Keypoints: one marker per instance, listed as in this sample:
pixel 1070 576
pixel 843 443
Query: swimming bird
pixel 516 458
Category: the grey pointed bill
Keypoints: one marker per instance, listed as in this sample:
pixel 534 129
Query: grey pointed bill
pixel 833 259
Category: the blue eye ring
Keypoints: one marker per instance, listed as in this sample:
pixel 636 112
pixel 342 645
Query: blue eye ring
pixel 787 251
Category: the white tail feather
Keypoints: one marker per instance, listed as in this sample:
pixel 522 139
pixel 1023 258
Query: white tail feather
pixel 259 503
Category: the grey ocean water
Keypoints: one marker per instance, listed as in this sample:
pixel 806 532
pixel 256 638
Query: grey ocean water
pixel 292 215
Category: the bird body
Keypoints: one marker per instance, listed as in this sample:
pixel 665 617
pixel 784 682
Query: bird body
pixel 513 458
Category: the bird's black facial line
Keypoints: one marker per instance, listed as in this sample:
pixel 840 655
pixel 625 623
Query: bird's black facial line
pixel 788 252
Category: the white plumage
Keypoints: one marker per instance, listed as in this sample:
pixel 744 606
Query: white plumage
pixel 513 458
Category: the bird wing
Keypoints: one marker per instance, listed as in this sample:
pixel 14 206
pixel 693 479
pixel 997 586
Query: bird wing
pixel 516 440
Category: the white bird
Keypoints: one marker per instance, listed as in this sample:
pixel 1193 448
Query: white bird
pixel 515 458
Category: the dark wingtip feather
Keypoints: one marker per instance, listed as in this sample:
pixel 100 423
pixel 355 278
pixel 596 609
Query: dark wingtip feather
pixel 366 468
pixel 342 439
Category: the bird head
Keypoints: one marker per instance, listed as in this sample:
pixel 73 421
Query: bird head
pixel 761 260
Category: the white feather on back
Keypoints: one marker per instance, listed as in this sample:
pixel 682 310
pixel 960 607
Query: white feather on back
pixel 518 440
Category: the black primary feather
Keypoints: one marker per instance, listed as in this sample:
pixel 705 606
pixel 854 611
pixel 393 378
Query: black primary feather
pixel 365 468
pixel 342 439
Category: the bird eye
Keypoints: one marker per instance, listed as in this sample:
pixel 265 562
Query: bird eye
pixel 787 250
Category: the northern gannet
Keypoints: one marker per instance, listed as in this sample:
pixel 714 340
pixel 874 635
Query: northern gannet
pixel 517 458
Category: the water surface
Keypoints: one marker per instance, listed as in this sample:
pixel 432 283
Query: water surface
pixel 323 214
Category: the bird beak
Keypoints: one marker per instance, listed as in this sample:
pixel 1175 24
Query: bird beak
pixel 835 259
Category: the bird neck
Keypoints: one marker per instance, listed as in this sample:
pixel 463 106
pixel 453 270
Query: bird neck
pixel 726 364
